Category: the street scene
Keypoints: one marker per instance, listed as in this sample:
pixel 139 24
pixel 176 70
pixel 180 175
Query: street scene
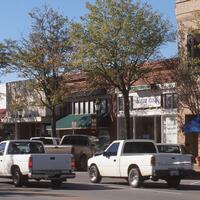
pixel 100 99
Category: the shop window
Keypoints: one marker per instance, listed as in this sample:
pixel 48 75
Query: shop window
pixel 81 107
pixel 131 102
pixel 103 106
pixel 86 108
pixel 193 48
pixel 169 101
pixel 121 103
pixel 76 108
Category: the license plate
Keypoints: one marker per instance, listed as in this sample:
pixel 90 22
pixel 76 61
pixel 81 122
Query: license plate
pixel 174 173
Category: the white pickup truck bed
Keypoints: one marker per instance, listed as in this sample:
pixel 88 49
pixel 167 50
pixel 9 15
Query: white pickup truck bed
pixel 29 161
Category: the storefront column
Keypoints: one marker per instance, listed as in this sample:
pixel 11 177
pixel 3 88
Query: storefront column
pixel 155 128
pixel 17 131
pixel 134 127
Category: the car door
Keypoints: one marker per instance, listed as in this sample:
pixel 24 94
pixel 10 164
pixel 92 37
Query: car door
pixel 2 148
pixel 109 165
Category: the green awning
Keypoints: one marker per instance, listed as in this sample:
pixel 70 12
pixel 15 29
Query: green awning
pixel 73 122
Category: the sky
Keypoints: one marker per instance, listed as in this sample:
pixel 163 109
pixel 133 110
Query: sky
pixel 15 21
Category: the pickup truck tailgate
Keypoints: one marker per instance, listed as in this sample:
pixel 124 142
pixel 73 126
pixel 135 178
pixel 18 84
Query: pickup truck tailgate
pixel 173 161
pixel 50 162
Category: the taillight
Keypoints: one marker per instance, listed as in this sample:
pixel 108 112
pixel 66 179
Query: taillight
pixel 30 163
pixel 73 164
pixel 153 161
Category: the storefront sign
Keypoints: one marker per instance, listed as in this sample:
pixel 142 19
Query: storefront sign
pixel 146 102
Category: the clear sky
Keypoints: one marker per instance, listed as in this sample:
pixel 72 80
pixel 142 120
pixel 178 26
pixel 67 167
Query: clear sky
pixel 15 22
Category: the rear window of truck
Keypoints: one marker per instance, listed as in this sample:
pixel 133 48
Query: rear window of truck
pixel 25 148
pixel 75 140
pixel 139 147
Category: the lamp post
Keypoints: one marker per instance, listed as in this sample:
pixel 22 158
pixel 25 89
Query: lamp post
pixel 17 125
pixel 97 109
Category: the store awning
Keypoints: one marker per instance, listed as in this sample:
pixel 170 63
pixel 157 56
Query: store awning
pixel 193 126
pixel 73 122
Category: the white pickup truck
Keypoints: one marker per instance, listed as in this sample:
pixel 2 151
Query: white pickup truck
pixel 139 160
pixel 25 159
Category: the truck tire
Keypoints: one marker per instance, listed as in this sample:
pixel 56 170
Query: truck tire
pixel 94 174
pixel 56 183
pixel 173 182
pixel 17 177
pixel 134 177
pixel 83 163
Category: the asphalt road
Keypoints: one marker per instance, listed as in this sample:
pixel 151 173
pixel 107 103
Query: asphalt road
pixel 80 188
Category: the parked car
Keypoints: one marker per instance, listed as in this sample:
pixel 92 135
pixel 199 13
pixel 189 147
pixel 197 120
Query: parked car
pixel 137 161
pixel 171 148
pixel 47 140
pixel 25 159
pixel 78 145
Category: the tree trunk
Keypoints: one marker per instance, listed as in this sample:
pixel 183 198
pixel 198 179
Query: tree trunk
pixel 127 114
pixel 53 122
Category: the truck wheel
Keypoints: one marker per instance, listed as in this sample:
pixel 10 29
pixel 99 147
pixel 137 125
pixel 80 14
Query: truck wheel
pixel 56 183
pixel 94 175
pixel 173 182
pixel 134 177
pixel 17 177
pixel 83 163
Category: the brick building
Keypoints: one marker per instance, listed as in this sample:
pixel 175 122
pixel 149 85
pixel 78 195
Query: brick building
pixel 185 10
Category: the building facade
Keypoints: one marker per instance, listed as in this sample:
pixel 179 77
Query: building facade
pixel 185 10
pixel 153 106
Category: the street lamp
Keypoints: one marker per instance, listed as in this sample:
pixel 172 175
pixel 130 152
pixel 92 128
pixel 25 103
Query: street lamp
pixel 17 126
pixel 19 114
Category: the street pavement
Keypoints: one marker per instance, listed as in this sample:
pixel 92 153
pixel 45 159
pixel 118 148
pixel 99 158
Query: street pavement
pixel 80 188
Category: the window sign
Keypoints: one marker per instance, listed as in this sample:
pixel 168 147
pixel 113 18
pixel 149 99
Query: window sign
pixel 170 130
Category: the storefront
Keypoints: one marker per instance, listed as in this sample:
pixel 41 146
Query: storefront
pixel 153 113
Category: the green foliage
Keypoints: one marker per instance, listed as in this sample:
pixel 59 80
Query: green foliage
pixel 116 38
pixel 45 55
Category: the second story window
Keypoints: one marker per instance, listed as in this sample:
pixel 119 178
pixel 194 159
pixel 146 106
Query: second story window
pixel 193 42
pixel 121 103
pixel 169 101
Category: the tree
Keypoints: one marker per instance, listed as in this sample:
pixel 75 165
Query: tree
pixel 5 56
pixel 44 57
pixel 187 73
pixel 114 41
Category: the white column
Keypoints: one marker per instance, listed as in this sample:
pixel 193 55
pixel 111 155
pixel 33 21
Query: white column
pixel 155 128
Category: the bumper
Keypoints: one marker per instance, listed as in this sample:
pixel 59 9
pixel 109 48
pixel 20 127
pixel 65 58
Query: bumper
pixel 51 176
pixel 162 174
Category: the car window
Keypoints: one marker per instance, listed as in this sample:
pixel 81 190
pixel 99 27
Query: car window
pixel 168 149
pixel 45 141
pixel 2 148
pixel 25 148
pixel 75 140
pixel 139 147
pixel 113 149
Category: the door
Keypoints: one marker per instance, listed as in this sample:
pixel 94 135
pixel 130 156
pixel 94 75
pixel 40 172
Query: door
pixel 109 165
pixel 2 148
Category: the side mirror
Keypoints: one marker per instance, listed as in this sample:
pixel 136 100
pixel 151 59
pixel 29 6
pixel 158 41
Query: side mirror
pixel 106 154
